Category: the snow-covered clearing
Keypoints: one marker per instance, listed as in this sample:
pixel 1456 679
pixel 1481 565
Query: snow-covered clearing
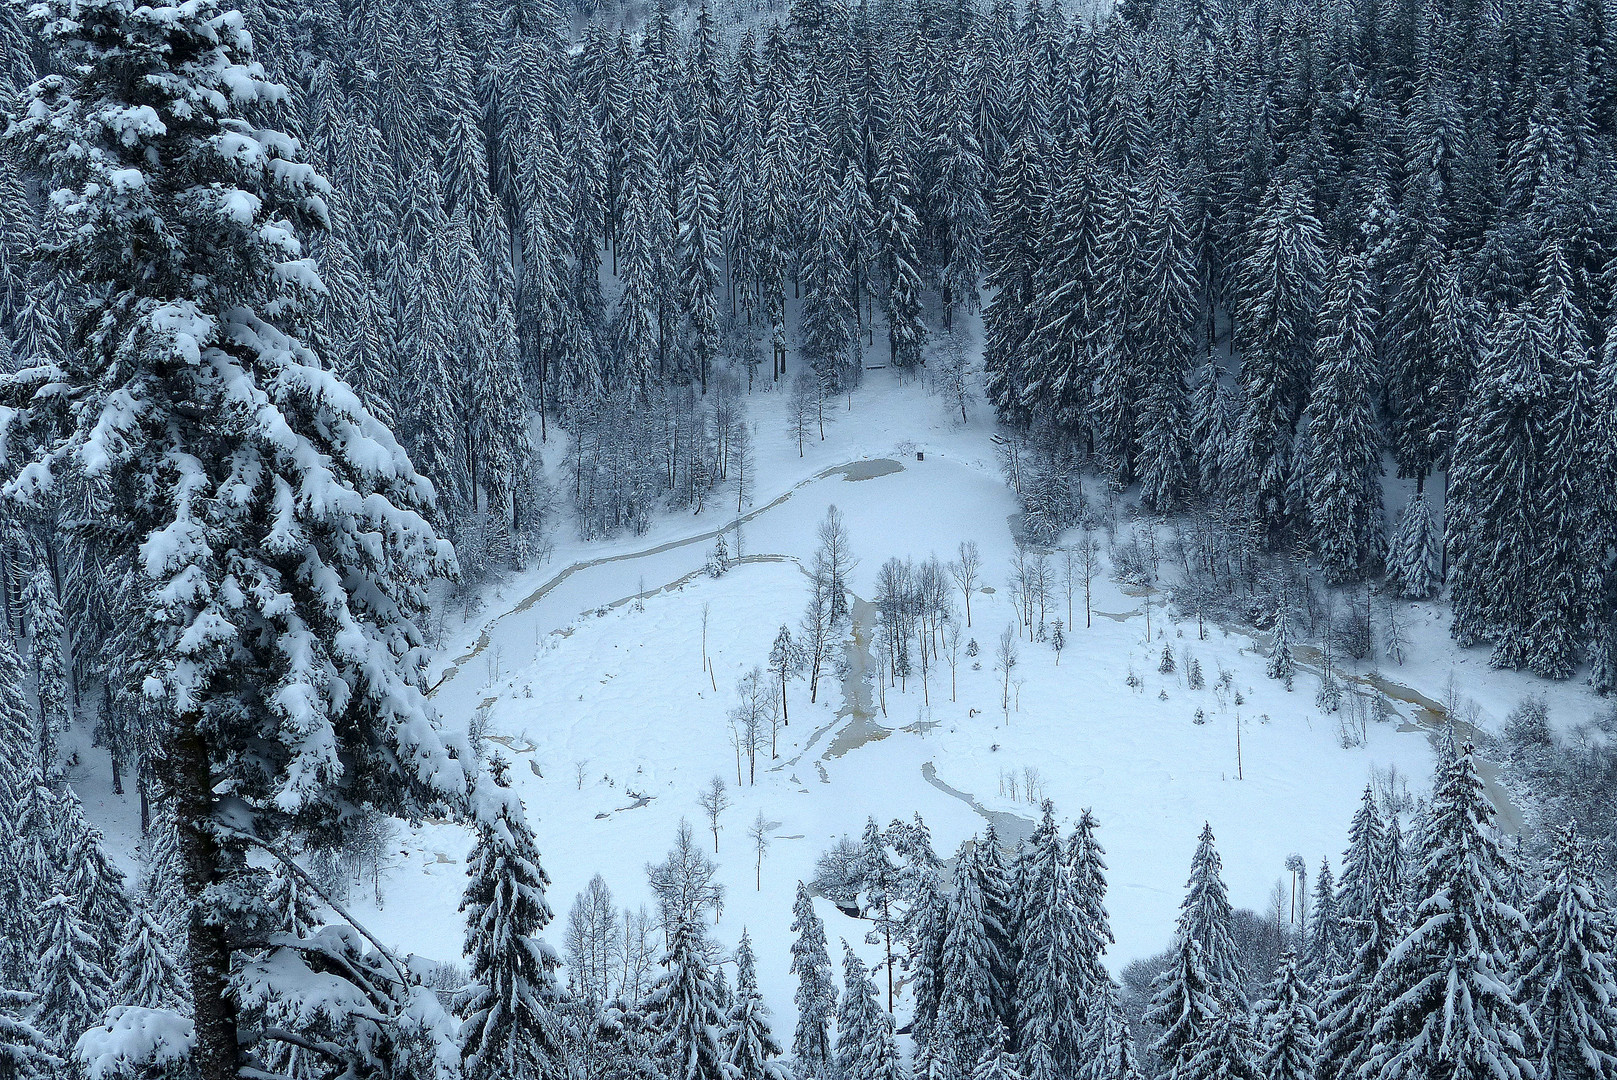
pixel 612 725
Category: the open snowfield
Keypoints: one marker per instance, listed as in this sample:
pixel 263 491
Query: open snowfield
pixel 612 725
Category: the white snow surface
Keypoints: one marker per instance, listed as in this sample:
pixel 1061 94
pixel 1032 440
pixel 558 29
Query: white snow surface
pixel 576 680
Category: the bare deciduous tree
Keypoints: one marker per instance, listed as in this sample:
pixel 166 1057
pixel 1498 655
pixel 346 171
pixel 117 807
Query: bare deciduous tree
pixel 684 881
pixel 1071 568
pixel 952 380
pixel 883 651
pixel 964 570
pixel 777 718
pixel 1005 658
pixel 952 645
pixel 834 561
pixel 802 405
pixel 751 717
pixel 758 833
pixel 714 800
pixel 818 626
pixel 1039 585
pixel 1021 582
pixel 637 953
pixel 707 615
pixel 591 941
pixel 1089 559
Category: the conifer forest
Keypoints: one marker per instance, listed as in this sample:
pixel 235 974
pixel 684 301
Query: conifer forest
pixel 409 409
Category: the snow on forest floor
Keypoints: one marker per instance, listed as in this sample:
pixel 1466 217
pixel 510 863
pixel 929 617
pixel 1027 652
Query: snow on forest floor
pixel 612 725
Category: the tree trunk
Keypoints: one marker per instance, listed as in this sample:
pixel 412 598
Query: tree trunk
pixel 216 1055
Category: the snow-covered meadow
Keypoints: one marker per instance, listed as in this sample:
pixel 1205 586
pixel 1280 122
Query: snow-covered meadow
pixel 601 703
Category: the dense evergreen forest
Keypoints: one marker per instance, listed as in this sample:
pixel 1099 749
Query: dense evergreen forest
pixel 1238 256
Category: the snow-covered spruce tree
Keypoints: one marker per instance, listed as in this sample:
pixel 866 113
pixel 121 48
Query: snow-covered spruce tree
pixel 1065 340
pixel 1414 553
pixel 621 1043
pixel 1122 375
pixel 18 928
pixel 430 420
pixel 1290 1027
pixel 293 906
pixel 146 973
pixel 1324 947
pixel 1168 328
pixel 966 966
pixel 1280 282
pixel 750 1051
pixel 1012 246
pixel 879 897
pixel 898 233
pixel 786 661
pixel 38 846
pixel 1108 1042
pixel 1206 915
pixel 1210 426
pixel 20 782
pixel 98 885
pixel 1423 366
pixel 1363 871
pixel 640 250
pixel 1569 974
pixel 828 314
pixel 292 909
pixel 1003 895
pixel 1281 665
pixel 1227 1050
pixel 1052 973
pixel 1087 860
pixel 160 890
pixel 1567 491
pixel 816 993
pixel 1343 473
pixel 684 1007
pixel 718 558
pixel 43 612
pixel 1399 868
pixel 510 1031
pixel 1349 1004
pixel 1448 987
pixel 957 193
pixel 1202 982
pixel 866 1046
pixel 1603 649
pixel 997 1061
pixel 1184 1004
pixel 280 529
pixel 925 925
pixel 71 984
pixel 25 1052
pixel 19 736
pixel 40 319
pixel 697 225
pixel 1493 490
